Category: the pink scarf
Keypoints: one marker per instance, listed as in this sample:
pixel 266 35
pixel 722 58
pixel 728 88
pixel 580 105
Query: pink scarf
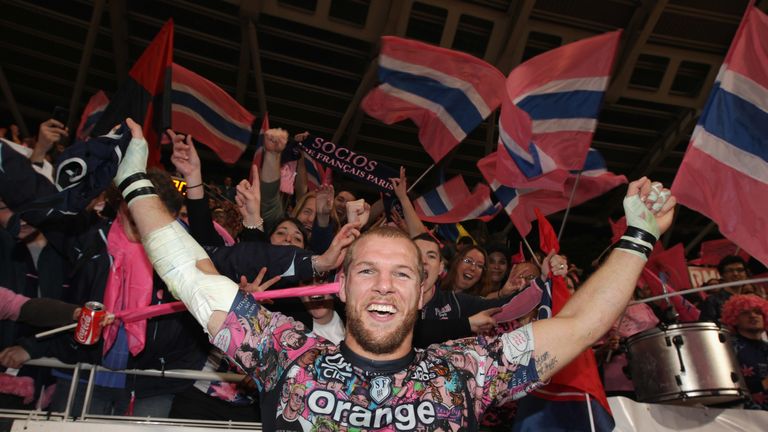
pixel 225 235
pixel 129 286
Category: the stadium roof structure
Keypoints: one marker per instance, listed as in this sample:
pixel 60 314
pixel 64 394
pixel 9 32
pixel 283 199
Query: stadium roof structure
pixel 309 63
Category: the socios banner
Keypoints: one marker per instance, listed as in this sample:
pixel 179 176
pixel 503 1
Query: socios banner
pixel 349 162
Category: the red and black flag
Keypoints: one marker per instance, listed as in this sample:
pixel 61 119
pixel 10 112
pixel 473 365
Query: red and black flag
pixel 145 96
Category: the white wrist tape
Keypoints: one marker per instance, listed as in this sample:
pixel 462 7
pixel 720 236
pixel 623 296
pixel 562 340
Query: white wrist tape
pixel 174 255
pixel 639 216
pixel 638 241
pixel 135 160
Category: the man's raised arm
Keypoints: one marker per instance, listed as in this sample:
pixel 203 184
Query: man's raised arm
pixel 601 299
pixel 177 258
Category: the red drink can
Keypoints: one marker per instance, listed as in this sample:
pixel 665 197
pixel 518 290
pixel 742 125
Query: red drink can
pixel 88 330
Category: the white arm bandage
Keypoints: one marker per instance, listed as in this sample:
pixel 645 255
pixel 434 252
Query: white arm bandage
pixel 174 255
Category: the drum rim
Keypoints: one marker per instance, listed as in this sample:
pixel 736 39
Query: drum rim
pixel 692 395
pixel 665 328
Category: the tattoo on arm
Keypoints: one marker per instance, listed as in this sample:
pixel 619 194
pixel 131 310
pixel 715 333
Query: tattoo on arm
pixel 546 364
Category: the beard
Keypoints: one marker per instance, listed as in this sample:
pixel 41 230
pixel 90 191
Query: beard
pixel 374 342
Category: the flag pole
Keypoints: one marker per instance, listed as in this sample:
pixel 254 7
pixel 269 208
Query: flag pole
pixel 699 237
pixel 530 249
pixel 421 177
pixel 568 209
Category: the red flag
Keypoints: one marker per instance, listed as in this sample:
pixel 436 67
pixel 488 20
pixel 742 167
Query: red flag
pixel 519 257
pixel 618 228
pixel 672 263
pixel 713 251
pixel 669 267
pixel 581 375
pixel 547 238
pixel 142 97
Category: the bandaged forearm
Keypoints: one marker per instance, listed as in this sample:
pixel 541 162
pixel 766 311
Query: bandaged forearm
pixel 174 255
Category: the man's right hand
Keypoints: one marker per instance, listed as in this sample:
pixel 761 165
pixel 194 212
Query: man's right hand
pixel 649 206
pixel 334 256
pixel 135 160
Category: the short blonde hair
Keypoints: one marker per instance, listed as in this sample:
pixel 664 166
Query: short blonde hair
pixel 385 232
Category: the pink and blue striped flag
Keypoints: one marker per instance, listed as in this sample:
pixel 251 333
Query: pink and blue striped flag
pixel 553 100
pixel 446 93
pixel 91 114
pixel 315 173
pixel 520 203
pixel 205 111
pixel 452 202
pixel 725 169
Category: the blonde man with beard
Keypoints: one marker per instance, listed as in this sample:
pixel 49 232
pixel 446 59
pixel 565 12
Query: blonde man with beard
pixel 382 288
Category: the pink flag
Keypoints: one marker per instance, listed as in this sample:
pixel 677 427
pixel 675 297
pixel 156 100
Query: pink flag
pixel 724 174
pixel 520 203
pixel 205 111
pixel 446 93
pixel 452 202
pixel 561 93
pixel 96 105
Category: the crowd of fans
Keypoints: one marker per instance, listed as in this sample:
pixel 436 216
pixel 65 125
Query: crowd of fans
pixel 97 256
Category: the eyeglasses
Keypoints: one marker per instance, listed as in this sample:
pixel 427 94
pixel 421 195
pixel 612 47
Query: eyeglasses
pixel 735 270
pixel 470 262
pixel 527 278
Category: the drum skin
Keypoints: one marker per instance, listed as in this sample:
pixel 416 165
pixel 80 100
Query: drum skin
pixel 687 364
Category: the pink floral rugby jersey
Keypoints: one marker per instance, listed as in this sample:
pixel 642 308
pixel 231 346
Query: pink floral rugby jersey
pixel 310 384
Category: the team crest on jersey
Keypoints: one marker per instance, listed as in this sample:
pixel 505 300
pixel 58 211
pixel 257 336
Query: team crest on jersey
pixel 381 388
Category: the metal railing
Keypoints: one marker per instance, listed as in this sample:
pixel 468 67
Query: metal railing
pixel 67 415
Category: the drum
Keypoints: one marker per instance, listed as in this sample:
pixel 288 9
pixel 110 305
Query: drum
pixel 690 363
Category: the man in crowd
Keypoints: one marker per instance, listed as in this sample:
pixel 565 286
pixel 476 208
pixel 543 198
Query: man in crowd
pixel 746 314
pixel 382 285
pixel 732 268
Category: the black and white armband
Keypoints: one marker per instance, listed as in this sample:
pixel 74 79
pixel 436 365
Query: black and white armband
pixel 642 229
pixel 136 186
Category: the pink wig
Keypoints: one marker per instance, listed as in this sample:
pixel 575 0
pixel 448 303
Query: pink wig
pixel 740 303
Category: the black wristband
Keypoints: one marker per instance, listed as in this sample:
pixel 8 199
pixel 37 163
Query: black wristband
pixel 130 179
pixel 149 190
pixel 627 244
pixel 640 234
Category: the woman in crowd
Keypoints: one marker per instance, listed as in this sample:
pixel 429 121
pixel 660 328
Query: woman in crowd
pixel 467 272
pixel 498 268
pixel 305 210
